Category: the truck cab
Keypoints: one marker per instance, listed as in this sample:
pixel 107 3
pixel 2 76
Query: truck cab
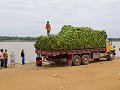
pixel 110 50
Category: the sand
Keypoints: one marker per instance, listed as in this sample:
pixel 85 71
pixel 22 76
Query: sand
pixel 98 75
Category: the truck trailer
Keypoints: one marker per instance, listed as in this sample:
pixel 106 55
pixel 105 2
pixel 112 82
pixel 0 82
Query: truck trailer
pixel 78 56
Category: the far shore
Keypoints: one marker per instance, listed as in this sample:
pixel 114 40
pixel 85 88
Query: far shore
pixel 17 41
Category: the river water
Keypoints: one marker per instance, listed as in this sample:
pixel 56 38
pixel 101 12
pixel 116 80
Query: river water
pixel 30 54
pixel 17 47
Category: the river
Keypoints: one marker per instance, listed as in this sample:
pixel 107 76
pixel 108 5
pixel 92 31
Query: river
pixel 17 47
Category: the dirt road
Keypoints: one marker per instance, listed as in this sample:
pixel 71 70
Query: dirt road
pixel 102 75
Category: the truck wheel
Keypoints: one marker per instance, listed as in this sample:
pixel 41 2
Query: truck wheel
pixel 76 60
pixel 111 56
pixel 85 59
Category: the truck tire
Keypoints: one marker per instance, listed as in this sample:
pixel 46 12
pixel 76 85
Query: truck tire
pixel 85 59
pixel 111 56
pixel 76 60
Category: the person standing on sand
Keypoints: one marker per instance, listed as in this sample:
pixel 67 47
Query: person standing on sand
pixel 48 27
pixel 5 54
pixel 12 59
pixel 23 56
pixel 1 58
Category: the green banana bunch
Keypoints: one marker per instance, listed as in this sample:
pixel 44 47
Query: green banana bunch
pixel 72 38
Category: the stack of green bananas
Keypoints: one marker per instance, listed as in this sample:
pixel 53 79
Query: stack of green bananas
pixel 72 38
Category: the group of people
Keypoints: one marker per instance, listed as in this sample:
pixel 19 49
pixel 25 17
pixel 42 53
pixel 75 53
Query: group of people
pixel 4 58
pixel 4 54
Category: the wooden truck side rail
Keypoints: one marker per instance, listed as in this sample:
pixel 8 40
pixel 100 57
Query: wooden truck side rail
pixel 53 52
pixel 71 57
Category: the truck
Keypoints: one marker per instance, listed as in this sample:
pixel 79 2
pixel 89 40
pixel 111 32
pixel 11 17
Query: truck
pixel 77 56
pixel 74 46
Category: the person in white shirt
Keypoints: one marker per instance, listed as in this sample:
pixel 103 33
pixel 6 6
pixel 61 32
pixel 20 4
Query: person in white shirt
pixel 1 59
pixel 12 59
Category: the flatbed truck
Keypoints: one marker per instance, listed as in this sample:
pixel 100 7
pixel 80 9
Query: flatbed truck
pixel 78 56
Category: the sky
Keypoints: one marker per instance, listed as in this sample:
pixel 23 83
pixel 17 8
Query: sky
pixel 28 17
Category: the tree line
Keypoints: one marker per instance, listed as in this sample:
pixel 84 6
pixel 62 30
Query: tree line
pixel 114 39
pixel 15 38
pixel 31 39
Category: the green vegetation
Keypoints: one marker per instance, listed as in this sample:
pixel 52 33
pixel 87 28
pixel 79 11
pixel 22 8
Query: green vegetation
pixel 114 39
pixel 17 39
pixel 72 38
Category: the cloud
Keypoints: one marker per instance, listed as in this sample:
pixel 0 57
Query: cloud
pixel 29 16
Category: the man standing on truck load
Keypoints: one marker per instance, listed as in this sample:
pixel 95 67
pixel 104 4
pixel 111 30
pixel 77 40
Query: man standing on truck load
pixel 23 56
pixel 48 27
pixel 5 54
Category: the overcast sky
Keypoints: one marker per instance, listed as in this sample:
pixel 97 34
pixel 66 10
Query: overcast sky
pixel 28 17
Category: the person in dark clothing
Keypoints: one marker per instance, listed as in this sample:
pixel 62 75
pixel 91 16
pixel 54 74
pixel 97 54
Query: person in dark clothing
pixel 23 56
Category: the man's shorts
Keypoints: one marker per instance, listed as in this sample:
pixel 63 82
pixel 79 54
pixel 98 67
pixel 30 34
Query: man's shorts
pixel 48 31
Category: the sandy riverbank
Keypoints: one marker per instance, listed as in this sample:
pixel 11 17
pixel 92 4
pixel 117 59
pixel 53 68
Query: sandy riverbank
pixel 102 75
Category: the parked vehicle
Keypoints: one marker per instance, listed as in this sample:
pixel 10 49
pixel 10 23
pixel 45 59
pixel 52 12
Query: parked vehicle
pixel 78 56
pixel 75 46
